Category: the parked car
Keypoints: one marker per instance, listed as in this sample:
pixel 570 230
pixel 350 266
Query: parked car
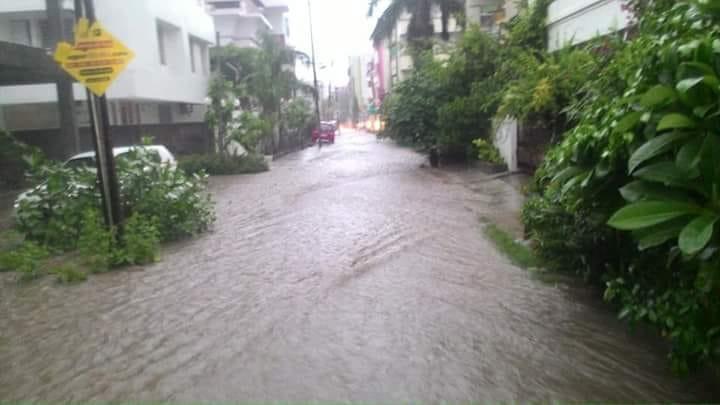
pixel 86 161
pixel 324 133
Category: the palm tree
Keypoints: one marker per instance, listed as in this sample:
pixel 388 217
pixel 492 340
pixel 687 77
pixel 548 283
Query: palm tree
pixel 421 24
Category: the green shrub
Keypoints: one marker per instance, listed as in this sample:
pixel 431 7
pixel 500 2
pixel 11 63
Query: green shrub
pixel 52 213
pixel 642 158
pixel 447 104
pixel 179 203
pixel 67 274
pixel 140 242
pixel 487 152
pixel 223 165
pixel 26 259
pixel 10 240
pixel 96 243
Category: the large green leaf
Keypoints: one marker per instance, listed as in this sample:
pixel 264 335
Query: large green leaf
pixel 644 190
pixel 703 110
pixel 700 67
pixel 648 213
pixel 675 121
pixel 685 85
pixel 667 173
pixel 657 95
pixel 652 148
pixel 688 157
pixel 708 162
pixel 628 122
pixel 566 173
pixel 657 235
pixel 696 235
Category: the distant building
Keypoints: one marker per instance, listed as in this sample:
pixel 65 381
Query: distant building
pixel 240 22
pixel 392 53
pixel 577 21
pixel 361 83
pixel 164 87
pixel 490 15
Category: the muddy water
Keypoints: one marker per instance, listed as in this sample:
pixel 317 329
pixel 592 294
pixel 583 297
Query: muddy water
pixel 347 273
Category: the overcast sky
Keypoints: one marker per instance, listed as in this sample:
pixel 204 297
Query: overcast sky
pixel 341 29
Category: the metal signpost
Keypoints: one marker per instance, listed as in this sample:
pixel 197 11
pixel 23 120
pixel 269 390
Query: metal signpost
pixel 95 60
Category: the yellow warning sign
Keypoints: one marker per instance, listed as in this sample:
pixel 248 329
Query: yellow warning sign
pixel 96 59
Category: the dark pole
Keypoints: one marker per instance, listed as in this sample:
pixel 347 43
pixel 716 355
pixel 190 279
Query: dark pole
pixel 66 101
pixel 312 48
pixel 100 125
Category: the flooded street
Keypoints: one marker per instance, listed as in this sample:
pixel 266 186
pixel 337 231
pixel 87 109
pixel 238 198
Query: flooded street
pixel 347 273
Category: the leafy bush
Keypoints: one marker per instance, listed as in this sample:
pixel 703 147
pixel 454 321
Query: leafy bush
pixel 96 242
pixel 460 120
pixel 642 159
pixel 52 213
pixel 139 242
pixel 546 83
pixel 10 240
pixel 223 165
pixel 27 260
pixel 487 152
pixel 100 250
pixel 447 104
pixel 298 114
pixel 178 202
pixel 411 109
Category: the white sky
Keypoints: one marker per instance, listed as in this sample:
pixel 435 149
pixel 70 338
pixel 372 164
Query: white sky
pixel 341 29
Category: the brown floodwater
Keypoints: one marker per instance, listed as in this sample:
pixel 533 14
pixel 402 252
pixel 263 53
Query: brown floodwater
pixel 347 273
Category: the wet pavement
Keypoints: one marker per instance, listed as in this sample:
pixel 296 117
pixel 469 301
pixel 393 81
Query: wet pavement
pixel 347 273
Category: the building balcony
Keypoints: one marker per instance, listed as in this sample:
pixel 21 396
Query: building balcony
pixel 240 13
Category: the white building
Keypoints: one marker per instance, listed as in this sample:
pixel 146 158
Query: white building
pixel 577 21
pixel 393 62
pixel 166 83
pixel 361 75
pixel 240 22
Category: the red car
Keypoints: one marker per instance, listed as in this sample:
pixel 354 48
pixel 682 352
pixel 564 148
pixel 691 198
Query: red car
pixel 325 133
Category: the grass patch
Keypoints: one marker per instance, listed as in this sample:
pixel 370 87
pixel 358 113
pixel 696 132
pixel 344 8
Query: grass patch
pixel 519 254
pixel 10 240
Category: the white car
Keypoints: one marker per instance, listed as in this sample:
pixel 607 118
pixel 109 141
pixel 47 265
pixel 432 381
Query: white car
pixel 86 160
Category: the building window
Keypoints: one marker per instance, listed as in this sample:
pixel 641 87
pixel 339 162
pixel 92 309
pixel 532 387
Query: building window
pixel 162 46
pixel 193 56
pixel 129 113
pixel 20 32
pixel 138 116
pixel 227 4
pixel 165 113
pixel 113 112
pixel 198 56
